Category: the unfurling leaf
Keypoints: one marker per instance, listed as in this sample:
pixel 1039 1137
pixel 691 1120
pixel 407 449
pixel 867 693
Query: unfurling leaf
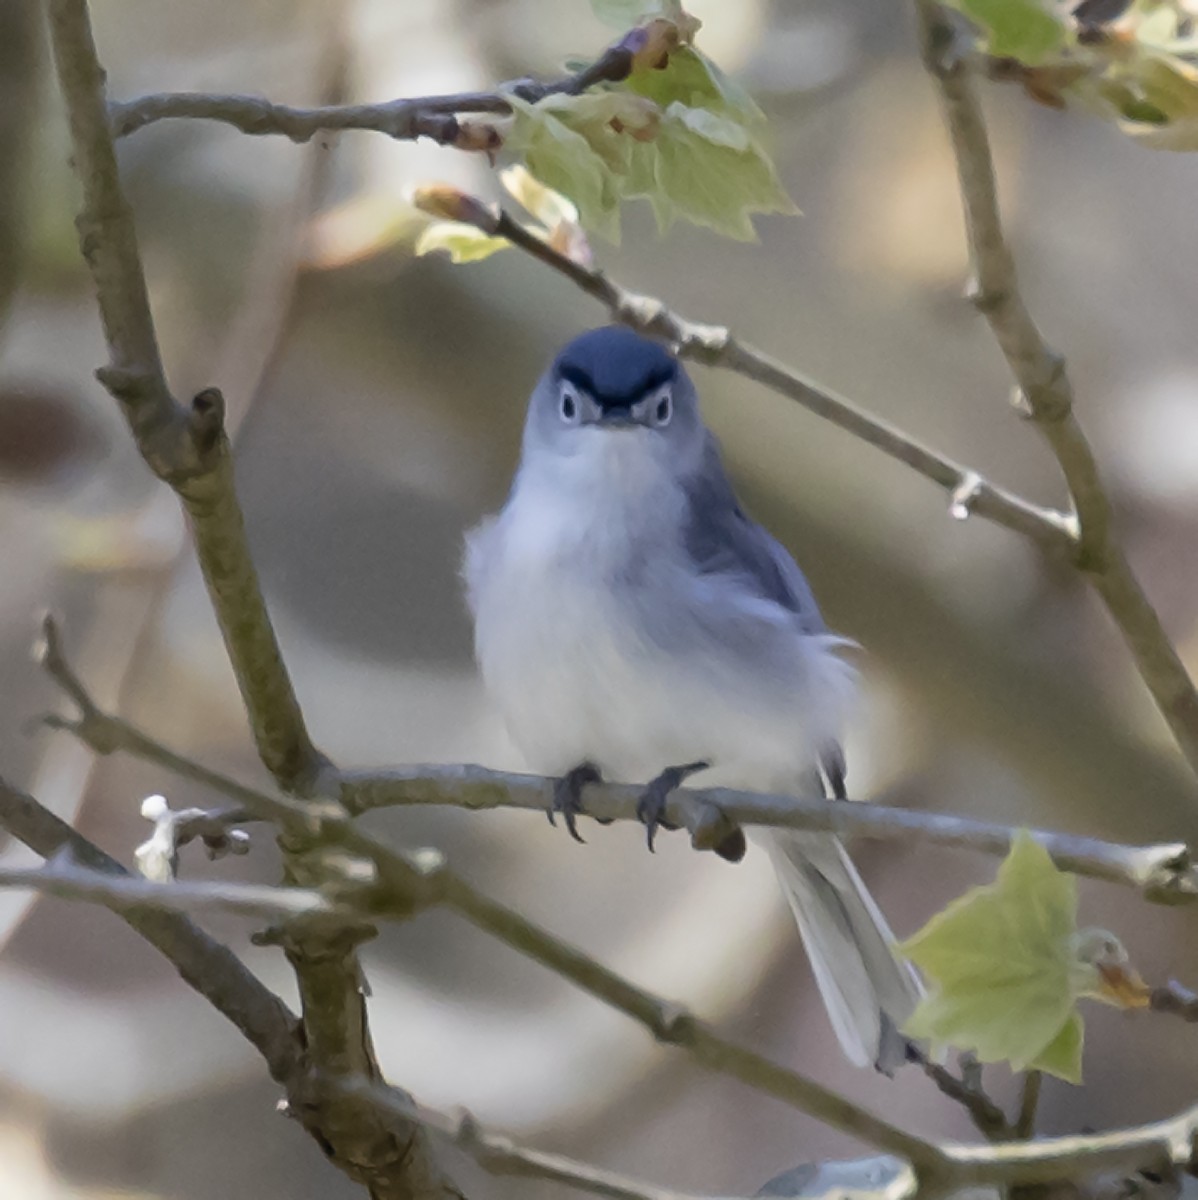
pixel 463 243
pixel 691 78
pixel 549 207
pixel 564 160
pixel 703 164
pixel 1007 965
pixel 557 216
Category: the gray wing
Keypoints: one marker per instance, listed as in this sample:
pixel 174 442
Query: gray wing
pixel 723 540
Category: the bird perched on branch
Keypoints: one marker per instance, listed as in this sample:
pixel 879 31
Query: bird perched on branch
pixel 633 624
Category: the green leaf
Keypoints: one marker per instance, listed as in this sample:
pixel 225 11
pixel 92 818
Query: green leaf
pixel 711 182
pixel 463 243
pixel 1022 29
pixel 1062 1056
pixel 691 78
pixel 1001 962
pixel 564 160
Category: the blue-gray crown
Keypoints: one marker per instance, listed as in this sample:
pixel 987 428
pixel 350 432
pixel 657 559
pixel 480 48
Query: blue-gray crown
pixel 615 366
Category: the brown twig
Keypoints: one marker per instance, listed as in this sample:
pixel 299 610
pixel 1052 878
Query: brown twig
pixel 187 447
pixel 717 346
pixel 1046 393
pixel 434 117
pixel 988 1118
pixel 1173 998
pixel 1029 1102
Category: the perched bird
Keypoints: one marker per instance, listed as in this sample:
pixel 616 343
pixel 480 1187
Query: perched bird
pixel 633 624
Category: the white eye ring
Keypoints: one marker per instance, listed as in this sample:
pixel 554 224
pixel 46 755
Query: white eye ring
pixel 569 403
pixel 661 406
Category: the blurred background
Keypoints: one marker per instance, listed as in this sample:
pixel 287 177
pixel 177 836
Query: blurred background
pixel 377 402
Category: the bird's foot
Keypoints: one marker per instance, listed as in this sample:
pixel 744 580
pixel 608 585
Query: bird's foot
pixel 651 807
pixel 567 796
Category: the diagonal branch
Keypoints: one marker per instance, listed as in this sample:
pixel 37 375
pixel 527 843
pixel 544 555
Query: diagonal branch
pixel 187 447
pixel 210 968
pixel 1046 393
pixel 717 346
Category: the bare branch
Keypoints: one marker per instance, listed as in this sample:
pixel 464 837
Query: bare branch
pixel 1045 391
pixel 1162 873
pixel 1029 1102
pixel 988 1118
pixel 122 892
pixel 205 965
pixel 188 448
pixel 717 346
pixel 502 1156
pixel 432 117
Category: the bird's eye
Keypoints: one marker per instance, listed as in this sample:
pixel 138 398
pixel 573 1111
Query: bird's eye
pixel 568 404
pixel 663 407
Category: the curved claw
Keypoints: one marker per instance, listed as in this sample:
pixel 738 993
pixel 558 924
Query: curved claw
pixel 567 796
pixel 651 807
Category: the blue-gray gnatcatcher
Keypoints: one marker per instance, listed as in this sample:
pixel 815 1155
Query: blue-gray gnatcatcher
pixel 634 624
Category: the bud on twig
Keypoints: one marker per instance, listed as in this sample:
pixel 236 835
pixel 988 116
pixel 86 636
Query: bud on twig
pixel 448 203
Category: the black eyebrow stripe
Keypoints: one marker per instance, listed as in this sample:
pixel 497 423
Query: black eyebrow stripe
pixel 580 379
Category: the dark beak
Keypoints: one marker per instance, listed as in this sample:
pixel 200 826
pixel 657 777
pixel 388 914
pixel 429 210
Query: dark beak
pixel 617 416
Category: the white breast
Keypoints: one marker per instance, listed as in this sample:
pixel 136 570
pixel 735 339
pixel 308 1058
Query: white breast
pixel 560 584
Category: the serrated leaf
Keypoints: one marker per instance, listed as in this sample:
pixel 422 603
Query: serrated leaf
pixel 463 243
pixel 1022 29
pixel 1001 963
pixel 712 183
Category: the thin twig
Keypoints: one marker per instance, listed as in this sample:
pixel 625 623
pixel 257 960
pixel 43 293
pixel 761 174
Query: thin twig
pixel 432 117
pixel 988 1118
pixel 1029 1101
pixel 1173 998
pixel 717 346
pixel 122 892
pixel 501 1156
pixel 1046 393
pixel 1164 873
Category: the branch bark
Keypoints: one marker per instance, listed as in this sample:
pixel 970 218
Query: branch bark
pixel 211 969
pixel 187 447
pixel 434 117
pixel 716 346
pixel 1046 393
pixel 1163 873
